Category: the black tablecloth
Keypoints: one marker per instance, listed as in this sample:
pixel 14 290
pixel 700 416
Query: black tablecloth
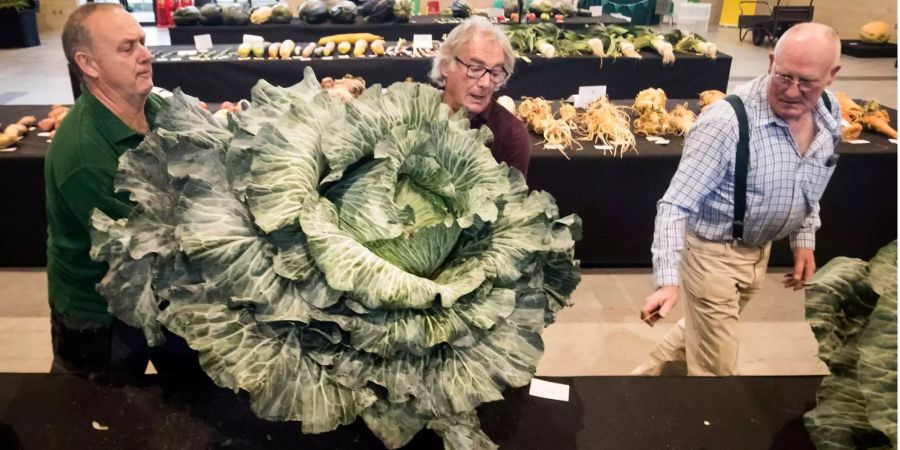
pixel 23 221
pixel 615 197
pixel 862 49
pixel 221 80
pixel 158 412
pixel 299 31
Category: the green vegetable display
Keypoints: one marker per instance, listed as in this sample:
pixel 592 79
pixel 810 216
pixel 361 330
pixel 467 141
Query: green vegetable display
pixel 852 308
pixel 338 260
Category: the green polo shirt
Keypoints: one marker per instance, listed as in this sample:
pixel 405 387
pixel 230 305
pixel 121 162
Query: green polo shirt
pixel 79 173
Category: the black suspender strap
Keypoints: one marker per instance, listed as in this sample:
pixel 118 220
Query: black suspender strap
pixel 741 163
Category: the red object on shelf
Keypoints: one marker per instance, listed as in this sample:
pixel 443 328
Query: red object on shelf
pixel 434 7
pixel 164 13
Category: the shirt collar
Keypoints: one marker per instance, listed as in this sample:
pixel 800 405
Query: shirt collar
pixel 824 119
pixel 115 128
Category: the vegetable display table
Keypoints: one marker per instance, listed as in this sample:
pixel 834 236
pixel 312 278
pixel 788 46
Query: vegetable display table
pixel 231 79
pixel 616 198
pixel 300 31
pixel 862 49
pixel 152 412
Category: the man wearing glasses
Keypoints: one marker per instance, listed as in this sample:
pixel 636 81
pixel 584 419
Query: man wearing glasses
pixel 475 61
pixel 701 241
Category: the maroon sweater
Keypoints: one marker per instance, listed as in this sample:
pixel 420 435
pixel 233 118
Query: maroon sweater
pixel 511 143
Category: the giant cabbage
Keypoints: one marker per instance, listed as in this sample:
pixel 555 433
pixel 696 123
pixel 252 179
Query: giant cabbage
pixel 852 308
pixel 340 260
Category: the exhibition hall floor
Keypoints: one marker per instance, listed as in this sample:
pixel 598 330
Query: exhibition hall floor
pixel 600 335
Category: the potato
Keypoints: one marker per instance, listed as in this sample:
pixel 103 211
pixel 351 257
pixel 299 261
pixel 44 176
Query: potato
pixel 46 124
pixel 7 140
pixel 15 130
pixel 28 121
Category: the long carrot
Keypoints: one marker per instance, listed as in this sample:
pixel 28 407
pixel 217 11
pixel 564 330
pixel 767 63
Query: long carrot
pixel 877 119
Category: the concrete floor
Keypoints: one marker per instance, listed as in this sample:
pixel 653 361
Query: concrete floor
pixel 600 335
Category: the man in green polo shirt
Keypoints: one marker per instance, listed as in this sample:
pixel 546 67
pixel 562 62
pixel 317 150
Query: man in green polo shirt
pixel 105 47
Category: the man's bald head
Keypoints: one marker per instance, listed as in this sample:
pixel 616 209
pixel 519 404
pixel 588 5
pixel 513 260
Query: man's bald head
pixel 810 37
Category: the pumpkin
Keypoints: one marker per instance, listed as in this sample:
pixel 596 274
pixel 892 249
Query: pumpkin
pixel 875 32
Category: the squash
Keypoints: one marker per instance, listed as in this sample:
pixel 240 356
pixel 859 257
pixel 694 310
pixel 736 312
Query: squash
pixel 261 15
pixel 877 32
pixel 243 50
pixel 308 50
pixel 343 12
pixel 273 50
pixel 344 47
pixel 236 14
pixel 377 47
pixel 186 16
pixel 281 13
pixel 211 14
pixel 313 12
pixel 359 48
pixel 402 10
pixel 287 48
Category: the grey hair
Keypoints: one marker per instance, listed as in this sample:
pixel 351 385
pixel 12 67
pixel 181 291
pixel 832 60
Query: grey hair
pixel 76 36
pixel 813 30
pixel 460 36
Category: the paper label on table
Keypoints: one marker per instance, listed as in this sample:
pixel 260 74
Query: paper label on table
pixel 892 140
pixel 621 16
pixel 8 149
pixel 304 58
pixel 253 39
pixel 653 138
pixel 546 389
pixel 32 128
pixel 587 94
pixel 203 42
pixel 603 147
pixel 495 12
pixel 662 141
pixel 596 10
pixel 328 58
pixel 553 147
pixel 423 41
pixel 858 141
pixel 187 52
pixel 44 134
pixel 343 56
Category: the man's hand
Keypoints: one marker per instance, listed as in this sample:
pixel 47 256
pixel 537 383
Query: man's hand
pixel 804 267
pixel 659 303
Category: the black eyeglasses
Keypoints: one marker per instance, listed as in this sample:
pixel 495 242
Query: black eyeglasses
pixel 476 71
pixel 786 81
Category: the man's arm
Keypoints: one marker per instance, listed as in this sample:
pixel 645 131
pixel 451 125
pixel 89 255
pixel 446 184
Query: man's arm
pixel 92 187
pixel 704 161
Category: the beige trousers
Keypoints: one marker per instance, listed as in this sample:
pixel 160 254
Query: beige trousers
pixel 717 280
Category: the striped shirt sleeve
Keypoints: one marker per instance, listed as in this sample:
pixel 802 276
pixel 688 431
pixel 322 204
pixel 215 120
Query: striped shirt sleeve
pixel 704 162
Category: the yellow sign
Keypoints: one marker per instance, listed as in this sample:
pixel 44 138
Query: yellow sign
pixel 731 9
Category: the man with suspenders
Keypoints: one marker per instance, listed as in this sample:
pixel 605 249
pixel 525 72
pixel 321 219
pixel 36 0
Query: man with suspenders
pixel 753 170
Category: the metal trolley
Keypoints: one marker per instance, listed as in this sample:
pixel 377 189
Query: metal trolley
pixel 772 22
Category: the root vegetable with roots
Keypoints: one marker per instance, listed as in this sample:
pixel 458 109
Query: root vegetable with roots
pixel 607 124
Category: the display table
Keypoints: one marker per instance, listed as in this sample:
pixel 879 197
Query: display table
pixel 615 197
pixel 862 49
pixel 156 412
pixel 232 79
pixel 303 32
